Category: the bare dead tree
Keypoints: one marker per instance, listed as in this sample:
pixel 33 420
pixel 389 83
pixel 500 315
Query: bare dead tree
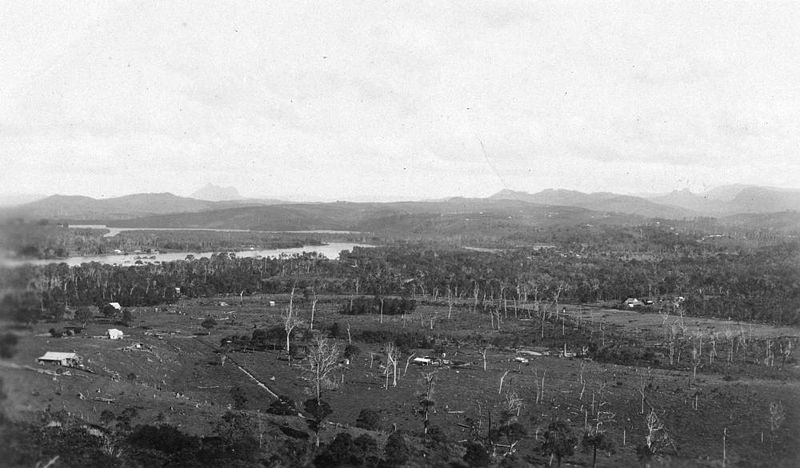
pixel 724 447
pixel 313 307
pixel 408 361
pixel 642 386
pixel 672 342
pixel 426 398
pixel 475 293
pixel 392 355
pixel 786 351
pixel 581 380
pixel 777 414
pixel 323 358
pixel 433 316
pixel 483 354
pixel 539 385
pixel 449 302
pixel 290 322
pixel 503 377
pixel 695 363
pixel 712 353
pixel 513 402
pixel 730 338
pixel 657 438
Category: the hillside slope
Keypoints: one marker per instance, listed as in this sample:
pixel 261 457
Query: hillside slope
pixel 599 201
pixel 79 208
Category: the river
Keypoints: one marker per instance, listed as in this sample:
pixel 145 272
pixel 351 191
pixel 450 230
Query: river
pixel 327 250
pixel 113 231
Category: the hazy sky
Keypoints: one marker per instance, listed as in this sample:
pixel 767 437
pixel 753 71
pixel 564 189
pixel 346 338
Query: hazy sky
pixel 388 100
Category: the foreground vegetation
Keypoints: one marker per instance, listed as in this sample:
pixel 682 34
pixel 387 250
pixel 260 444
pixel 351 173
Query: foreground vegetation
pixel 210 382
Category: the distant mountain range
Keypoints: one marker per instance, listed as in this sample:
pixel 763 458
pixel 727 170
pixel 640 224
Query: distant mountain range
pixel 503 208
pixel 599 201
pixel 79 208
pixel 722 201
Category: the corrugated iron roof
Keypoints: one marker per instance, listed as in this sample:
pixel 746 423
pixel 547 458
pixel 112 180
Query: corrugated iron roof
pixel 57 356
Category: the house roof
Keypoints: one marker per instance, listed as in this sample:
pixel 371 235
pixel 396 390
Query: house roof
pixel 114 331
pixel 115 305
pixel 56 356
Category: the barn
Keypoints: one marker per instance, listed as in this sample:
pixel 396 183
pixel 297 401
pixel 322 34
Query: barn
pixel 63 359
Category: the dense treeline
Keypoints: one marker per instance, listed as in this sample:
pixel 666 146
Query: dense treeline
pixel 747 284
pixel 379 305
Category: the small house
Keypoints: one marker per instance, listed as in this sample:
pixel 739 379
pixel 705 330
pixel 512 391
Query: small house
pixel 114 334
pixel 63 359
pixel 272 303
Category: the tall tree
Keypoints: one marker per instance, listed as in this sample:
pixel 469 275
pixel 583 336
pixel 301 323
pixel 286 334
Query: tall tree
pixel 559 441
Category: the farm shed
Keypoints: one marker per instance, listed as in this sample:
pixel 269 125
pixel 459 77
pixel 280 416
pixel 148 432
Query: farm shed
pixel 114 334
pixel 64 359
pixel 632 302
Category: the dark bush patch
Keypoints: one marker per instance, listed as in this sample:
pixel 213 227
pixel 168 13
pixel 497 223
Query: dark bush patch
pixel 163 438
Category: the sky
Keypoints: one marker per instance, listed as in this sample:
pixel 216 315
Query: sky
pixel 382 100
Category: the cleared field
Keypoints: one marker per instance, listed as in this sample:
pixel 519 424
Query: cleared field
pixel 653 322
pixel 168 373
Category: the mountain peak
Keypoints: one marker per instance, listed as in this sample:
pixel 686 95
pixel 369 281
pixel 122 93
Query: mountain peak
pixel 211 192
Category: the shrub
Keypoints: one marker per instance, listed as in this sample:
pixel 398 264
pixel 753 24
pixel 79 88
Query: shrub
pixel 8 343
pixel 476 455
pixel 238 397
pixel 366 449
pixel 340 452
pixel 106 417
pixel 559 440
pixel 396 451
pixel 163 438
pixel 437 435
pixel 369 419
pixel 209 323
pixel 351 351
pixel 283 406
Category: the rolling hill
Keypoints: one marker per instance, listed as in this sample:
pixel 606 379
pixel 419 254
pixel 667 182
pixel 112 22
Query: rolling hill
pixel 451 216
pixel 79 208
pixel 765 200
pixel 721 201
pixel 600 201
